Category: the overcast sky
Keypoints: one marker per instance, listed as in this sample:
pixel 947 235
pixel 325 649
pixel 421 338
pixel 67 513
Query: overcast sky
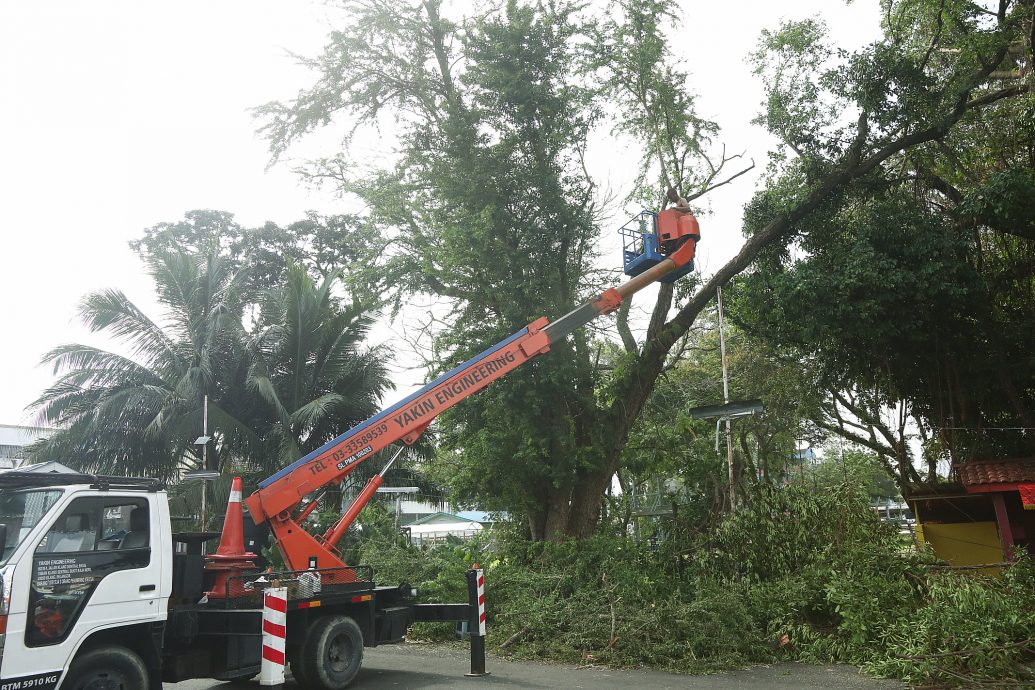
pixel 117 115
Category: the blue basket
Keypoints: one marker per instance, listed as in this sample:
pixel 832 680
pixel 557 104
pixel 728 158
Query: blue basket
pixel 641 247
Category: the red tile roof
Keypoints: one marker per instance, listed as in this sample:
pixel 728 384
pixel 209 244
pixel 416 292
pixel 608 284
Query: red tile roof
pixel 1020 470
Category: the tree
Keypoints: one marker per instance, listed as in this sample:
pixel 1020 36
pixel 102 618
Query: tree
pixel 323 245
pixel 308 368
pixel 912 286
pixel 137 414
pixel 490 206
pixel 489 209
pixel 295 378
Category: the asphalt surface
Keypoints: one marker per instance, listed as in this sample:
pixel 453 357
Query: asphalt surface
pixel 437 666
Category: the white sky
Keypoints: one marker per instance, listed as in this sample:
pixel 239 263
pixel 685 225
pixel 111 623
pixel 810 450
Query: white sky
pixel 118 115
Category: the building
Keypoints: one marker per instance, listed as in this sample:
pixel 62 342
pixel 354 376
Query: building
pixel 984 518
pixel 428 519
pixel 438 527
pixel 1010 487
pixel 13 441
pixel 410 510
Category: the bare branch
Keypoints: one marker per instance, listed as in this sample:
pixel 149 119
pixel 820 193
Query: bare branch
pixel 704 191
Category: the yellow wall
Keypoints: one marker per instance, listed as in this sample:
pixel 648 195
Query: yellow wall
pixel 965 543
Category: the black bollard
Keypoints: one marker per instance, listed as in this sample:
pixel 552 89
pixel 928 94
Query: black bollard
pixel 476 624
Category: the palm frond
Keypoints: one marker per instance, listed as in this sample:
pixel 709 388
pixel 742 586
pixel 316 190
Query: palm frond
pixel 259 382
pixel 111 311
pixel 314 411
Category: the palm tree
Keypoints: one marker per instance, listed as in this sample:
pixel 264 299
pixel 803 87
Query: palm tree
pixel 309 369
pixel 298 379
pixel 137 414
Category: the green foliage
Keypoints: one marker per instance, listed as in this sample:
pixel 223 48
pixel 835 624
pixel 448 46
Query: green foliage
pixel 667 442
pixel 307 364
pixel 787 530
pixel 796 575
pixel 491 208
pixel 883 277
pixel 607 600
pixel 847 465
pixel 137 414
pixel 641 79
pixel 966 630
pixel 325 245
pixel 280 381
pixel 912 285
pixel 1004 200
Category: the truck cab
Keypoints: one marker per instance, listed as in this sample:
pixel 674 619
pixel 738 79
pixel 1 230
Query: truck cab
pixel 85 579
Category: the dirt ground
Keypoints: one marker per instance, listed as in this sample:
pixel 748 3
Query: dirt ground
pixel 437 666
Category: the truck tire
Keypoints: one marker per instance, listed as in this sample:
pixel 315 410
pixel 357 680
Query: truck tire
pixel 107 668
pixel 294 659
pixel 332 653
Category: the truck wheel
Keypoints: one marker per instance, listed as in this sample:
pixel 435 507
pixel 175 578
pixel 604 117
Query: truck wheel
pixel 107 668
pixel 332 653
pixel 294 659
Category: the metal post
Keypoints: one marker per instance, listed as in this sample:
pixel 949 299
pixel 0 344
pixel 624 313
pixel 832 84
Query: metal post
pixel 204 466
pixel 725 400
pixel 476 623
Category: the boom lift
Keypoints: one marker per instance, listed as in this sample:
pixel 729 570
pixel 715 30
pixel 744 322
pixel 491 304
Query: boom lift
pixel 97 591
pixel 664 250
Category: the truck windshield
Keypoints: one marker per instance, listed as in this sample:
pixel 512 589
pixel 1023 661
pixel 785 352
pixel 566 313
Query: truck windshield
pixel 21 510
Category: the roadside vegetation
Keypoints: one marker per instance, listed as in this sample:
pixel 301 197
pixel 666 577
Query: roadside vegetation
pixel 798 574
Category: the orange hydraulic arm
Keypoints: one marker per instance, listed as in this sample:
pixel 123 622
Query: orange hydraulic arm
pixel 279 496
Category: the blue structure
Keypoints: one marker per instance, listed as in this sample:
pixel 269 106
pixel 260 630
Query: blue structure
pixel 641 247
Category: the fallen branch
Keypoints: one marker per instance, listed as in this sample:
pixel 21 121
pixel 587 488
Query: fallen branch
pixel 965 652
pixel 516 637
pixel 980 566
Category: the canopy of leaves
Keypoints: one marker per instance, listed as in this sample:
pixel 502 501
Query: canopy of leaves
pixel 279 383
pixel 490 206
pixel 913 286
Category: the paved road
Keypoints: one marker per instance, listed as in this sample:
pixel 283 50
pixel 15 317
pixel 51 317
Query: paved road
pixel 399 667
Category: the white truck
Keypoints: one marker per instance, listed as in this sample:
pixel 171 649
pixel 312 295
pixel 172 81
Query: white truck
pixel 97 596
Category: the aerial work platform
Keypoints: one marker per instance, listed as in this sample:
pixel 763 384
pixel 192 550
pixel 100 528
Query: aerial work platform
pixel 648 238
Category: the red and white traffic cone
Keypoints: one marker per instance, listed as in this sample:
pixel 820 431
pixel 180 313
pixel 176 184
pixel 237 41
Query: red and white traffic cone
pixel 230 559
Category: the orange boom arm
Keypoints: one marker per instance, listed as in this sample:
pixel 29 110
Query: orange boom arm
pixel 278 496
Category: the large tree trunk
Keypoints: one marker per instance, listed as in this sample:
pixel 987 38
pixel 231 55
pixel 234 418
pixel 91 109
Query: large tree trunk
pixel 586 501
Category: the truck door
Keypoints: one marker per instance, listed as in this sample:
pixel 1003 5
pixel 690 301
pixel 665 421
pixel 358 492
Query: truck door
pixel 94 568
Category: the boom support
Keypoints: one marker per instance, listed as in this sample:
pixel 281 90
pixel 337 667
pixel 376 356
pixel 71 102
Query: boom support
pixel 281 494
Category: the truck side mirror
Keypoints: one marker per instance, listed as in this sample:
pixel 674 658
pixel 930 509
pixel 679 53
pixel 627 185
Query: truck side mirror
pixel 3 540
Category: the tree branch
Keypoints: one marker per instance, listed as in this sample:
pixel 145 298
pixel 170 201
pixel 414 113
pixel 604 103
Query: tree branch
pixel 622 322
pixel 697 195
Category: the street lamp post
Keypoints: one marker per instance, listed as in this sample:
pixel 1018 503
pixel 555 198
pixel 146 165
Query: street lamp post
pixel 726 400
pixel 728 410
pixel 203 475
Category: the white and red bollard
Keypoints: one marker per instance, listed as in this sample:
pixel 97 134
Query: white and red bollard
pixel 274 636
pixel 476 626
